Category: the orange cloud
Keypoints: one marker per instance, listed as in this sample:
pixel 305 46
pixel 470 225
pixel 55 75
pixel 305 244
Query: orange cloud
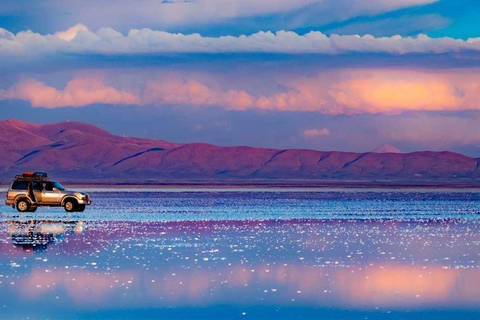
pixel 71 33
pixel 336 92
pixel 397 90
pixel 331 92
pixel 78 92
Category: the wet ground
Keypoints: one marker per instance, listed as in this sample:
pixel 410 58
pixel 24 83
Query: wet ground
pixel 358 254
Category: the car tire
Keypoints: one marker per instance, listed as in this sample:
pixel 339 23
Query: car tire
pixel 81 207
pixel 70 205
pixel 23 205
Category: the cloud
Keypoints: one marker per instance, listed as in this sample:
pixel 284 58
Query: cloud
pixel 301 96
pixel 181 13
pixel 78 92
pixel 192 92
pixel 6 35
pixel 356 91
pixel 388 91
pixel 72 32
pixel 345 91
pixel 398 90
pixel 79 40
pixel 316 132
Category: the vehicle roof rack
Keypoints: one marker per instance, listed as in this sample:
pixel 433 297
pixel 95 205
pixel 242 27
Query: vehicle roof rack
pixel 31 176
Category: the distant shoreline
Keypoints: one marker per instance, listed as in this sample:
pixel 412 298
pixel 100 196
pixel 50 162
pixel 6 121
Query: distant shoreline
pixel 262 185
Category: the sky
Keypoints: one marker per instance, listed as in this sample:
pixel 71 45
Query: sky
pixel 344 75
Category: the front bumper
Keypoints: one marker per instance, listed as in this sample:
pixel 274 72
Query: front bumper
pixel 84 202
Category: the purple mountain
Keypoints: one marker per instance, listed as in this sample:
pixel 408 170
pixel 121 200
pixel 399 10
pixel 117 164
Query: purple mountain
pixel 79 152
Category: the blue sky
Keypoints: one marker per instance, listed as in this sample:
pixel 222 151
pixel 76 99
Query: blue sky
pixel 457 19
pixel 332 75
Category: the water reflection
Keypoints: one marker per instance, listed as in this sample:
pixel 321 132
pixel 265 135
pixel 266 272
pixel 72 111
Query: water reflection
pixel 308 264
pixel 36 235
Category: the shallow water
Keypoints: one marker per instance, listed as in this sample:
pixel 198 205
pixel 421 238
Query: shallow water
pixel 136 205
pixel 353 254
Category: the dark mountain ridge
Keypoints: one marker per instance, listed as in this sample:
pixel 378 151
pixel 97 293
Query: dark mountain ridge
pixel 83 153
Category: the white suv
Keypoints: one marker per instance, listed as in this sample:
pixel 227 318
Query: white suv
pixel 33 189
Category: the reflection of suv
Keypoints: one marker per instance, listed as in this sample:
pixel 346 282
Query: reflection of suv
pixel 33 189
pixel 37 234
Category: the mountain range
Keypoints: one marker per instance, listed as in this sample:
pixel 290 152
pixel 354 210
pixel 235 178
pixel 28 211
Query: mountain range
pixel 81 153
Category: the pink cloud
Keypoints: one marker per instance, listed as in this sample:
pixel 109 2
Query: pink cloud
pixel 316 132
pixel 301 97
pixel 336 92
pixel 192 92
pixel 342 91
pixel 78 92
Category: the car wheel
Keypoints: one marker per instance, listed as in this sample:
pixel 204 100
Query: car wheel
pixel 23 206
pixel 70 205
pixel 81 208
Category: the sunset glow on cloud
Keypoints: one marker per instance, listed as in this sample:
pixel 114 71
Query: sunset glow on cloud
pixel 393 90
pixel 336 92
pixel 78 92
pixel 72 32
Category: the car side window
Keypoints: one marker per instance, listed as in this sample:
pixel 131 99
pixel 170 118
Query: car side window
pixel 48 186
pixel 37 186
pixel 20 185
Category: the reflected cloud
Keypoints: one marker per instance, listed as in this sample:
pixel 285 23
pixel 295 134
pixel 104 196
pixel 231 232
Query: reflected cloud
pixel 299 264
pixel 82 286
pixel 394 286
pixel 400 285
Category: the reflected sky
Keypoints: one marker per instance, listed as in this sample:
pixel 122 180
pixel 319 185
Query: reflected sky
pixel 284 268
pixel 267 204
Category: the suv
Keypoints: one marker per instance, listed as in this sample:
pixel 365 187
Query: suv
pixel 33 189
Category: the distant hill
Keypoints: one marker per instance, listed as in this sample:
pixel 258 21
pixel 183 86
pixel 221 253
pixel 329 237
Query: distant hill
pixel 82 153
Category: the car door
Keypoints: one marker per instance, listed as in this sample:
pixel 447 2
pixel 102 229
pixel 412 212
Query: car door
pixel 49 194
pixel 37 190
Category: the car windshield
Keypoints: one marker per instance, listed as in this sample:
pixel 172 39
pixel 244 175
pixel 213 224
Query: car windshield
pixel 58 185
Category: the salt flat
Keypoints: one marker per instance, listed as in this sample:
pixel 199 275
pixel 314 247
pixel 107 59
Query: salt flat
pixel 246 254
